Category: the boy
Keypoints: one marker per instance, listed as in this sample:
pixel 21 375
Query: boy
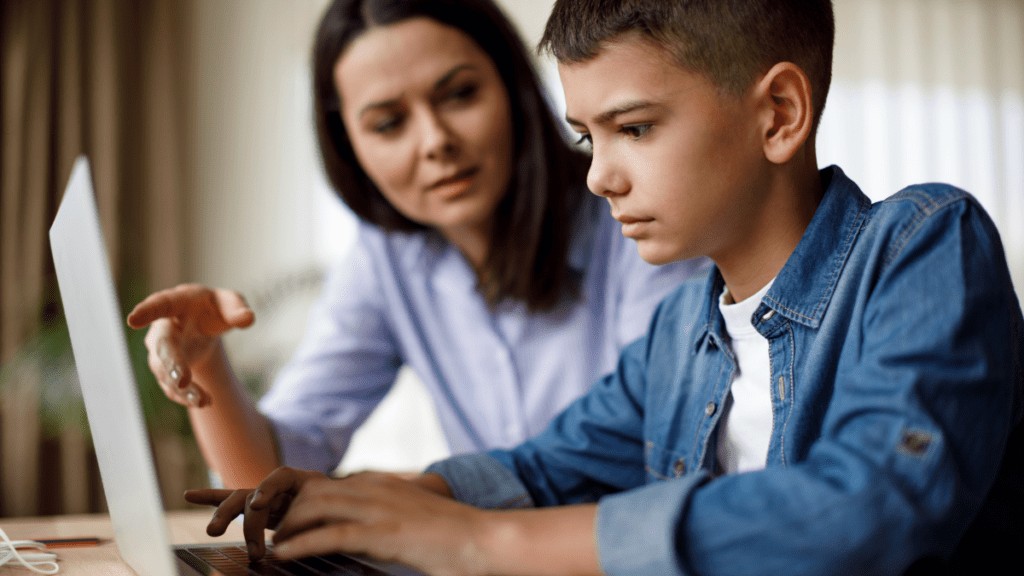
pixel 842 395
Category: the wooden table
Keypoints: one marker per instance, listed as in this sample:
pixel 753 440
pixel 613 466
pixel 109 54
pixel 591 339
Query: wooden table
pixel 184 527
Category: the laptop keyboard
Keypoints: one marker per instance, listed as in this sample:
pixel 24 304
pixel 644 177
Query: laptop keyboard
pixel 234 560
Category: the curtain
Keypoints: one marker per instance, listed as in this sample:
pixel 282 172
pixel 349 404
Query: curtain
pixel 932 90
pixel 110 79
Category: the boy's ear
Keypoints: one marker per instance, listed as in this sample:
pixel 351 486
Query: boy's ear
pixel 784 95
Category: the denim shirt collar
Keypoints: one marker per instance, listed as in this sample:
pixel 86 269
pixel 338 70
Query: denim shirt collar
pixel 804 286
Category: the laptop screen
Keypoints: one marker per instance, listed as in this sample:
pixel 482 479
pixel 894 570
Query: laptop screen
pixel 108 384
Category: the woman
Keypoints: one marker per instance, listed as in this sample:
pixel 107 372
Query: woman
pixel 481 260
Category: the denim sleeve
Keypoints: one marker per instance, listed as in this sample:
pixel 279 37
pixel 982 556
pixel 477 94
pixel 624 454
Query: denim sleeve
pixel 638 544
pixel 922 394
pixel 482 481
pixel 594 447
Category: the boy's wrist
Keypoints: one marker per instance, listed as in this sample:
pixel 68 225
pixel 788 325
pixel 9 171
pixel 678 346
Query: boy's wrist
pixel 432 482
pixel 552 541
pixel 494 537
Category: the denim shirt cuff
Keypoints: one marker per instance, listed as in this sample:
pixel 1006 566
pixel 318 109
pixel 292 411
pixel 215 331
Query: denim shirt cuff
pixel 482 481
pixel 636 530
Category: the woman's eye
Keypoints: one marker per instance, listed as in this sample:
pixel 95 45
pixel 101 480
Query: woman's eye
pixel 386 125
pixel 585 141
pixel 636 131
pixel 462 93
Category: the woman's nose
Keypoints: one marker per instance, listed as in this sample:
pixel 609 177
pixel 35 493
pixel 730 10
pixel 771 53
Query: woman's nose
pixel 439 142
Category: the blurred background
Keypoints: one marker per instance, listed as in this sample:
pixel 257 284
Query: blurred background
pixel 197 118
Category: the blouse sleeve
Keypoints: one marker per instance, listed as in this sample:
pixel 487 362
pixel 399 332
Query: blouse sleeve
pixel 345 364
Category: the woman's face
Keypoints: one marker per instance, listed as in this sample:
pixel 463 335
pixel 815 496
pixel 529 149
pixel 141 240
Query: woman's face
pixel 428 118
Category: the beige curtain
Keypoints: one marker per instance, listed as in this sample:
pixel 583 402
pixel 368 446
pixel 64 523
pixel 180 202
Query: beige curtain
pixel 927 90
pixel 110 79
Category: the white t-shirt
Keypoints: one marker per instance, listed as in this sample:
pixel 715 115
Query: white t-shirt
pixel 746 426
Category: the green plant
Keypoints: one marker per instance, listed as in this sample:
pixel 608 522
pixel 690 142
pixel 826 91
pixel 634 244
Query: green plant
pixel 47 358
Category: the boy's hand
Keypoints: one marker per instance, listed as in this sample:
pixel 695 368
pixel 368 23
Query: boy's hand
pixel 185 324
pixel 382 516
pixel 263 506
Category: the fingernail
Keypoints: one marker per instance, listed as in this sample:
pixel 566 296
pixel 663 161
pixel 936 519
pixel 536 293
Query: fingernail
pixel 256 495
pixel 282 549
pixel 175 375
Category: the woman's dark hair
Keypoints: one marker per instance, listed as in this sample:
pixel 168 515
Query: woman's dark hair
pixel 528 252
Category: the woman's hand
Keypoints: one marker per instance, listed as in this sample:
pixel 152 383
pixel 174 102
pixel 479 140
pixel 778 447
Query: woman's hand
pixel 263 506
pixel 185 324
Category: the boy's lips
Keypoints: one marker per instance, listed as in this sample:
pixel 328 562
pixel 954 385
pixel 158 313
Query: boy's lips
pixel 632 226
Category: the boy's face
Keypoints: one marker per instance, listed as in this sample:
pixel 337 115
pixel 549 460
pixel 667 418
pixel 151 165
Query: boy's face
pixel 680 162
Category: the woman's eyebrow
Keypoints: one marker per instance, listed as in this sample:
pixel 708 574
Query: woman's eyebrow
pixel 440 83
pixel 443 80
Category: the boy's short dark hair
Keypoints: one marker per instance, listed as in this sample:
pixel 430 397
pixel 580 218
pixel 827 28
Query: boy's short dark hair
pixel 730 42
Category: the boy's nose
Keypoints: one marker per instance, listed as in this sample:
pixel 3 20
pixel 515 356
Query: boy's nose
pixel 604 180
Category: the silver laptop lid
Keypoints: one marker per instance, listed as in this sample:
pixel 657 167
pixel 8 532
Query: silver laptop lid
pixel 108 385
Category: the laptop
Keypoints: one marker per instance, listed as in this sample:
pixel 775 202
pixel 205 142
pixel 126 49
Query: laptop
pixel 115 416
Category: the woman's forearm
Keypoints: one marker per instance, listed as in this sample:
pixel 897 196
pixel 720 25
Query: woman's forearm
pixel 236 440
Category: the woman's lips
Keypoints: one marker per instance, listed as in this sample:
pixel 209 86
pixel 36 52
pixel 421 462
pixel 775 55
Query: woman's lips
pixel 455 185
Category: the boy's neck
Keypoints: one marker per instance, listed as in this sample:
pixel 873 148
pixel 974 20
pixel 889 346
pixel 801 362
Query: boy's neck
pixel 793 194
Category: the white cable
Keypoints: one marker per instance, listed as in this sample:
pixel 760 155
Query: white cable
pixel 38 562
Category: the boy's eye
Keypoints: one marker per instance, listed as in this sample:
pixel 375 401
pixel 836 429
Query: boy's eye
pixel 585 141
pixel 636 131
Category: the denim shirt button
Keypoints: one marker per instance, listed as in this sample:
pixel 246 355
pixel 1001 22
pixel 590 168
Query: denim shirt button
pixel 710 409
pixel 679 468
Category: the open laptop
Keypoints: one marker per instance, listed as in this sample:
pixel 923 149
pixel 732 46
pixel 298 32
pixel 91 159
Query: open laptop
pixel 115 417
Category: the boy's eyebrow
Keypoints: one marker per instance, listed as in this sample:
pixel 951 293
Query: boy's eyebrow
pixel 618 110
pixel 441 82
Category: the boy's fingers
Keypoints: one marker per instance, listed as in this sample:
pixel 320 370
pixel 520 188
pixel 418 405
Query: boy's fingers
pixel 228 510
pixel 253 527
pixel 283 480
pixel 307 510
pixel 207 496
pixel 323 539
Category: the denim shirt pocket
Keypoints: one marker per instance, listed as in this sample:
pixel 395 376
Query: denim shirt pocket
pixel 661 464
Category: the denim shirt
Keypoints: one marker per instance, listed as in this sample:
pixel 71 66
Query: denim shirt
pixel 895 346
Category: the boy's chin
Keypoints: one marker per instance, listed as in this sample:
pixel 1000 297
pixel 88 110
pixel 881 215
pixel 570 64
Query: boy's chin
pixel 658 255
